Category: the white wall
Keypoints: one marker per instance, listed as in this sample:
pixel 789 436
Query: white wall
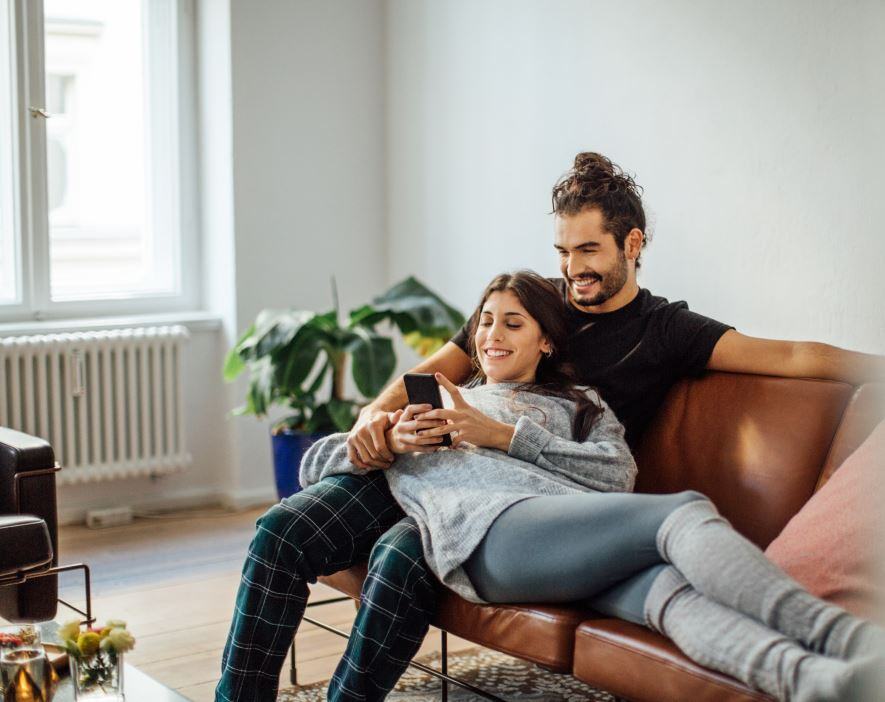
pixel 308 172
pixel 755 128
pixel 375 139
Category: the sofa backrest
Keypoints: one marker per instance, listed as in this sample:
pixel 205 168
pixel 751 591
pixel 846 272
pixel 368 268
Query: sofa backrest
pixel 756 445
pixel 864 412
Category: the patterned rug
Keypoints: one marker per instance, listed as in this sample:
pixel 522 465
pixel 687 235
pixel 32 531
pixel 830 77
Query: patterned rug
pixel 506 677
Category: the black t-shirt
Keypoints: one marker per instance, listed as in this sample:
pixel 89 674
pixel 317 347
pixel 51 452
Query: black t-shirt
pixel 634 354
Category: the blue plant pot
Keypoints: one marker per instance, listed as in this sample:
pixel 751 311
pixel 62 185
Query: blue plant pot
pixel 288 449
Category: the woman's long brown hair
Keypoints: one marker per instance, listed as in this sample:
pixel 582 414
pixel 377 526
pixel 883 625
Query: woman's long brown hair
pixel 554 376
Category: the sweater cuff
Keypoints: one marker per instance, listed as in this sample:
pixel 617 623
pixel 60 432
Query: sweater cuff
pixel 529 439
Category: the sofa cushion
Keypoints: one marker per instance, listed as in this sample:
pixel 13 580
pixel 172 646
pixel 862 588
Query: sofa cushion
pixel 633 662
pixel 831 545
pixel 753 444
pixel 543 634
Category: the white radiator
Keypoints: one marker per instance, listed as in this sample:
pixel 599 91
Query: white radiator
pixel 109 402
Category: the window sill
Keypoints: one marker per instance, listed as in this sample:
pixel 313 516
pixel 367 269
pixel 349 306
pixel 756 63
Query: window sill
pixel 194 321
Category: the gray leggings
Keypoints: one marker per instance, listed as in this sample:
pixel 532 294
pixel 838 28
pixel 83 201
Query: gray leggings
pixel 593 546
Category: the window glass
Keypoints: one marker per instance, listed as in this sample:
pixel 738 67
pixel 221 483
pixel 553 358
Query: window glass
pixel 8 243
pixel 103 236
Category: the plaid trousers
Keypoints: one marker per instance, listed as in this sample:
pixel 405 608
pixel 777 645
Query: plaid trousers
pixel 337 523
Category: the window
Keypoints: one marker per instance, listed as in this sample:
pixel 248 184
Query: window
pixel 103 227
pixel 8 255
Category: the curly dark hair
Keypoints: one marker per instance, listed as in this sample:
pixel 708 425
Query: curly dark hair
pixel 554 376
pixel 594 181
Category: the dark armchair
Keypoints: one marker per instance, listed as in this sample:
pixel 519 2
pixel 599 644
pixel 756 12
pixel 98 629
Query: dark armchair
pixel 29 531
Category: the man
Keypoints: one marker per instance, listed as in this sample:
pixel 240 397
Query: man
pixel 628 343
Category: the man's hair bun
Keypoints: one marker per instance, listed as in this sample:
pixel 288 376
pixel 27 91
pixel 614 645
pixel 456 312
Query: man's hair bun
pixel 596 171
pixel 587 161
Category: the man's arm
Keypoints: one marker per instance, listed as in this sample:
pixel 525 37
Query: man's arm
pixel 366 443
pixel 450 360
pixel 738 353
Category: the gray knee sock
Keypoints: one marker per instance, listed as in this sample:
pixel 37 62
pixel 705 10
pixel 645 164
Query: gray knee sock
pixel 721 638
pixel 723 565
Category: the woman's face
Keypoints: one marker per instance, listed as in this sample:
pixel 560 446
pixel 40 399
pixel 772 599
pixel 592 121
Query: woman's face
pixel 509 342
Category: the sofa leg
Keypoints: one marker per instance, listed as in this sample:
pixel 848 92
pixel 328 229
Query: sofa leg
pixel 441 674
pixel 293 669
pixel 444 662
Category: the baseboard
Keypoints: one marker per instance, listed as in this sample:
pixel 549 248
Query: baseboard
pixel 245 499
pixel 183 499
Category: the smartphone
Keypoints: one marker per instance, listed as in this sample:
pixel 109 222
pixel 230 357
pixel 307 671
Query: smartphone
pixel 423 389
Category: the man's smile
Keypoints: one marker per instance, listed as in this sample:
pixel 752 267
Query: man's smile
pixel 584 284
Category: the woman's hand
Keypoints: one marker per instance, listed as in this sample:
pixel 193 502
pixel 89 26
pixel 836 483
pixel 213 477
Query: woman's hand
pixel 468 423
pixel 408 433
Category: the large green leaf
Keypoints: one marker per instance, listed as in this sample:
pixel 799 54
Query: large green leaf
pixel 318 379
pixel 279 329
pixel 233 365
pixel 343 413
pixel 367 316
pixel 295 361
pixel 234 362
pixel 412 306
pixel 373 360
pixel 320 421
pixel 261 387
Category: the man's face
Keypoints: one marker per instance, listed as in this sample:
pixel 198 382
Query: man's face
pixel 593 265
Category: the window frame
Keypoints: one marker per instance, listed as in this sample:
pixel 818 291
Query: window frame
pixel 30 181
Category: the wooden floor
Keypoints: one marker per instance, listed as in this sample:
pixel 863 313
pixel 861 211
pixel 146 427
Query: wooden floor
pixel 173 579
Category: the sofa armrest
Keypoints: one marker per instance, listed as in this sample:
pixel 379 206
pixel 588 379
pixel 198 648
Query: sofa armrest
pixel 24 544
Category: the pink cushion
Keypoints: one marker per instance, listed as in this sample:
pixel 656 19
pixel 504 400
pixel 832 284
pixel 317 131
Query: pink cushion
pixel 831 545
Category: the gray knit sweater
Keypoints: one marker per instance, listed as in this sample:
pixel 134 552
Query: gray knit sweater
pixel 455 495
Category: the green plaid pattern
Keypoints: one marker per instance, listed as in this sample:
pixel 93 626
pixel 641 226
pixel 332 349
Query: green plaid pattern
pixel 397 603
pixel 329 527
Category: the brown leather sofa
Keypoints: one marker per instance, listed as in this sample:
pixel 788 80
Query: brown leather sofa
pixel 759 447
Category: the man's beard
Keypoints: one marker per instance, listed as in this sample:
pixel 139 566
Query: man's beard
pixel 610 283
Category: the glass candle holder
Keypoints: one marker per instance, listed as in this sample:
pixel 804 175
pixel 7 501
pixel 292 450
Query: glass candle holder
pixel 26 675
pixel 19 636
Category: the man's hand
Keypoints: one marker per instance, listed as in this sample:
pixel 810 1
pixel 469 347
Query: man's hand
pixel 407 435
pixel 468 423
pixel 366 444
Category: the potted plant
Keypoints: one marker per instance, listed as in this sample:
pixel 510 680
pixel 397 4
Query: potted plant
pixel 298 359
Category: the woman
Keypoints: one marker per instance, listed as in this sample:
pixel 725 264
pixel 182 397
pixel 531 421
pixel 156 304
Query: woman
pixel 530 505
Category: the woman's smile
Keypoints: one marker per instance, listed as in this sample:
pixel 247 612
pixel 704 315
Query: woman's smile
pixel 496 353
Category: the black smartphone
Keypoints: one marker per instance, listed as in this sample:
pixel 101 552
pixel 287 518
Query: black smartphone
pixel 423 389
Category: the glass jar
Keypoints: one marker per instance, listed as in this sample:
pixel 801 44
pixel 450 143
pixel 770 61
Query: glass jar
pixel 98 678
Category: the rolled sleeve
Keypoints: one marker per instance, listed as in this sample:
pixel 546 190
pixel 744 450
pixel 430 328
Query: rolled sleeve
pixel 529 440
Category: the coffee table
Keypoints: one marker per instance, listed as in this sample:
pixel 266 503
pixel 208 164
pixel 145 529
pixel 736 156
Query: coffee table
pixel 138 686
